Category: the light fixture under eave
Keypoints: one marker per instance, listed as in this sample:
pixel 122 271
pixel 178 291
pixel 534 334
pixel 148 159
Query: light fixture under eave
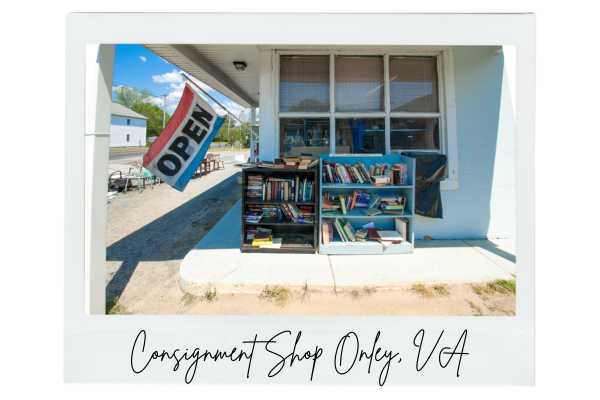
pixel 240 65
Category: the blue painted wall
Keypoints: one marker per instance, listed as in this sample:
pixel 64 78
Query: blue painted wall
pixel 484 204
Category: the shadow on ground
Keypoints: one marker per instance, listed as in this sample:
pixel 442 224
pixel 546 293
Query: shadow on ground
pixel 171 236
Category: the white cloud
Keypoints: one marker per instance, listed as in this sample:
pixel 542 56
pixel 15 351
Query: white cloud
pixel 168 77
pixel 157 101
pixel 177 83
pixel 143 59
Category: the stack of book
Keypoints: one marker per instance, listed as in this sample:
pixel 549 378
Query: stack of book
pixel 257 232
pixel 252 217
pixel 263 238
pixel 271 214
pixel 254 188
pixel 345 173
pixel 301 162
pixel 347 233
pixel 393 204
pixel 399 174
pixel 344 230
pixel 298 214
pixel 290 162
pixel 346 202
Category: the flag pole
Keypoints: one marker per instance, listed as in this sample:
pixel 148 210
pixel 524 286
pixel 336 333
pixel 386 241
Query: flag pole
pixel 189 79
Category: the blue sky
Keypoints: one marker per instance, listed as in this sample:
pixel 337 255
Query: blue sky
pixel 138 67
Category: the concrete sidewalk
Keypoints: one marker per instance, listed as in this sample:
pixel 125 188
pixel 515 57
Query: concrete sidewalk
pixel 216 262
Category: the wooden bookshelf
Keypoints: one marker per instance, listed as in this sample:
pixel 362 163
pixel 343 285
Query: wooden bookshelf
pixel 297 237
pixel 358 217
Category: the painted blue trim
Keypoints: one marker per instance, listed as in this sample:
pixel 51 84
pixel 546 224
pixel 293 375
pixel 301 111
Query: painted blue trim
pixel 185 177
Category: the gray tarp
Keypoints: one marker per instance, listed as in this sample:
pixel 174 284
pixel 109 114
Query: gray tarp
pixel 430 171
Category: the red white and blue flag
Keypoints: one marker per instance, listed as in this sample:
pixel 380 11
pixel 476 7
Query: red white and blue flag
pixel 176 154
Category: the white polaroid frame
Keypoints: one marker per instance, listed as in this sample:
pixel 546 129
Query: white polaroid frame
pixel 98 347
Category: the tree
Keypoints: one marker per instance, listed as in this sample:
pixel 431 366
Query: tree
pixel 237 134
pixel 154 115
pixel 140 101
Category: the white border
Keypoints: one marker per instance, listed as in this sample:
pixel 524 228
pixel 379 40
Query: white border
pixel 97 347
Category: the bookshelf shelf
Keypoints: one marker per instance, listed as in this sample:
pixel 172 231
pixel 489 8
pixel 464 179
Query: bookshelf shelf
pixel 358 217
pixel 260 203
pixel 296 237
pixel 360 214
pixel 281 224
pixel 330 186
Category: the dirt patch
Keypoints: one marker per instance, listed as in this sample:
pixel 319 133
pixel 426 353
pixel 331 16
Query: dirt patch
pixel 276 300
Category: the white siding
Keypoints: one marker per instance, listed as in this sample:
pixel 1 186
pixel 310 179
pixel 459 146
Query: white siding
pixel 119 129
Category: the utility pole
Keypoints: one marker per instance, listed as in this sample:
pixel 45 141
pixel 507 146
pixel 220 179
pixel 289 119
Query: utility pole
pixel 228 136
pixel 164 96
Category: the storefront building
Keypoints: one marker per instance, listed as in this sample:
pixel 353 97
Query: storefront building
pixel 367 100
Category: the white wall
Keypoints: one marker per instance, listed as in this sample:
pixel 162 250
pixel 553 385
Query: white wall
pixel 268 144
pixel 484 205
pixel 119 131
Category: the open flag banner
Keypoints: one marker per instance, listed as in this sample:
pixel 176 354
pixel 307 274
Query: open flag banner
pixel 176 154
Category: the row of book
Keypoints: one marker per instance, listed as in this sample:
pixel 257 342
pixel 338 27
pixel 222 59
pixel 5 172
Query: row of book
pixel 279 189
pixel 300 162
pixel 285 212
pixel 346 232
pixel 376 174
pixel 373 204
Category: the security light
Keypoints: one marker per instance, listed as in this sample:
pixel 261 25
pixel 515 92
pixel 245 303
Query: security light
pixel 240 65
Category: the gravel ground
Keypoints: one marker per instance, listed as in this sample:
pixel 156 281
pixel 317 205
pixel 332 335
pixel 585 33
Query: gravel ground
pixel 149 232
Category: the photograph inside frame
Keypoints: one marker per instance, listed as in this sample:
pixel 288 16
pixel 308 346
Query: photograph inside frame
pixel 309 180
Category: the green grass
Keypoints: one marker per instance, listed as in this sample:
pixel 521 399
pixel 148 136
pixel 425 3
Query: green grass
pixel 421 289
pixel 510 286
pixel 441 290
pixel 210 295
pixel 114 308
pixel 500 286
pixel 277 294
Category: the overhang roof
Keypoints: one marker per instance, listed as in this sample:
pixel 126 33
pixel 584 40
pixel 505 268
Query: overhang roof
pixel 122 111
pixel 213 65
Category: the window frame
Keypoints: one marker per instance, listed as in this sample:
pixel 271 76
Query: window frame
pixel 446 104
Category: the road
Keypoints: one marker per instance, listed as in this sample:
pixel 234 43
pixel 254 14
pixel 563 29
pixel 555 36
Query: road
pixel 121 160
pixel 126 157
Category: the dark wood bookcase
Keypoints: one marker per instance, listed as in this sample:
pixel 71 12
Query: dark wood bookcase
pixel 296 237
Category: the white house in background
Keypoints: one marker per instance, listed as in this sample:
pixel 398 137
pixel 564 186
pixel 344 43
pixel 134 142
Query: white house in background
pixel 127 128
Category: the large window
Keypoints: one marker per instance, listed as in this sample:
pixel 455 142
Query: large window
pixel 348 103
pixel 415 134
pixel 304 136
pixel 413 84
pixel 304 84
pixel 360 135
pixel 359 83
